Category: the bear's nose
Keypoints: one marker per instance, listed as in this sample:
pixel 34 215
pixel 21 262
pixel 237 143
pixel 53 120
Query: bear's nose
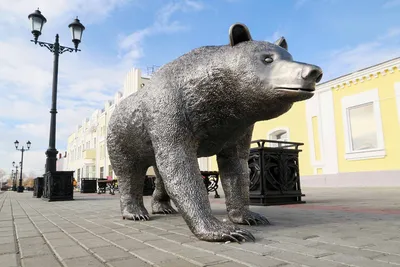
pixel 311 72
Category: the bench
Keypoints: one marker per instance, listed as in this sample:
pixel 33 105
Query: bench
pixel 104 184
pixel 210 179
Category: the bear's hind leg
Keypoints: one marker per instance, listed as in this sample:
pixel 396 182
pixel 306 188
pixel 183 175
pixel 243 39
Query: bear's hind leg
pixel 131 183
pixel 161 202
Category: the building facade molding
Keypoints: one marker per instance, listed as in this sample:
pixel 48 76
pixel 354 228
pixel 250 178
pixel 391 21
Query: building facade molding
pixel 321 106
pixel 312 110
pixel 91 133
pixel 397 94
pixel 373 72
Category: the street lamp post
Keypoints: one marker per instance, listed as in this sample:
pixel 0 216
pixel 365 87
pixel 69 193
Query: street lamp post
pixel 15 177
pixel 20 188
pixel 37 21
pixel 12 179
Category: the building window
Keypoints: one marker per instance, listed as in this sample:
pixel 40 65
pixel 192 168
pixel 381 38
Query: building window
pixel 93 172
pixel 79 173
pixel 101 172
pixel 363 133
pixel 110 171
pixel 87 172
pixel 279 134
pixel 94 142
pixel 363 126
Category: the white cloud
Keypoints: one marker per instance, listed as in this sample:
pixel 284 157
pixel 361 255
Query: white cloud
pixel 57 11
pixel 275 36
pixel 85 79
pixel 391 4
pixel 300 3
pixel 131 44
pixel 349 59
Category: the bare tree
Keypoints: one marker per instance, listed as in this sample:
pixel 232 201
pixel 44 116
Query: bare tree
pixel 28 182
pixel 2 175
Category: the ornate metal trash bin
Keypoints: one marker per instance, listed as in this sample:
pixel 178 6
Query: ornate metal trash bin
pixel 88 185
pixel 58 186
pixel 38 187
pixel 274 173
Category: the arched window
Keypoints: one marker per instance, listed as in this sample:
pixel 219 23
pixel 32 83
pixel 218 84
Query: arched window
pixel 279 134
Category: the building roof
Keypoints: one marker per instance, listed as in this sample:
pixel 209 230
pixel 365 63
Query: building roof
pixel 361 75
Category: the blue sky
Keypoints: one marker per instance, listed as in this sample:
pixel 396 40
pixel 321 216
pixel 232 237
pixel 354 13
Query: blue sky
pixel 338 35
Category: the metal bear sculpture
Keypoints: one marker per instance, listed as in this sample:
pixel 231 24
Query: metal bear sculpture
pixel 201 104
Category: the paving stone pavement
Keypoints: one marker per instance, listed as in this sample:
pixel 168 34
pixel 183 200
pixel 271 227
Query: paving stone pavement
pixel 336 227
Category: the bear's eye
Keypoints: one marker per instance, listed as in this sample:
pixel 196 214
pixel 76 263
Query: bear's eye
pixel 268 59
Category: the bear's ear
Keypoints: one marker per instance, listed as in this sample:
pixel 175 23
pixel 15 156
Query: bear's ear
pixel 239 33
pixel 282 43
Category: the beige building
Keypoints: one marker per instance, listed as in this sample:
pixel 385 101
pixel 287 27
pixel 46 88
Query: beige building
pixel 86 150
pixel 87 153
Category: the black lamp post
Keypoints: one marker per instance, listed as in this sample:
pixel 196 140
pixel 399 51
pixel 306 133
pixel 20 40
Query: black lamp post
pixel 14 188
pixel 12 179
pixel 20 188
pixel 37 22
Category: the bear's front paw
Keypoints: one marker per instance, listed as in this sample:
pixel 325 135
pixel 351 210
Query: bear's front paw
pixel 135 214
pixel 247 217
pixel 217 231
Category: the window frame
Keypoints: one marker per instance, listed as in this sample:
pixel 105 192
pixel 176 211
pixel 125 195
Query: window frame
pixel 101 172
pixel 348 102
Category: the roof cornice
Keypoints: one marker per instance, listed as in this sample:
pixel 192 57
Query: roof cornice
pixel 361 76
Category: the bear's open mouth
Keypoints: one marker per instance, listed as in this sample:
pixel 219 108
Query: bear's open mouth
pixel 310 90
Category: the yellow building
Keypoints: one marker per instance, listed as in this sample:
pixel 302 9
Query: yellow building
pixel 350 129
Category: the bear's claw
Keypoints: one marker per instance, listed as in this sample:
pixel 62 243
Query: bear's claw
pixel 134 217
pixel 169 211
pixel 136 214
pixel 234 236
pixel 239 236
pixel 215 231
pixel 247 217
pixel 253 221
pixel 159 207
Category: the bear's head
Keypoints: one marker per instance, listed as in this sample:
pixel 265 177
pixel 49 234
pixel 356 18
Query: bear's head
pixel 270 68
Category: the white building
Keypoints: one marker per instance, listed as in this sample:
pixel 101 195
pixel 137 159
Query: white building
pixel 61 164
pixel 86 150
pixel 87 153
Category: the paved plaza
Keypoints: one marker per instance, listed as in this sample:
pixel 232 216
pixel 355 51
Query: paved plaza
pixel 337 227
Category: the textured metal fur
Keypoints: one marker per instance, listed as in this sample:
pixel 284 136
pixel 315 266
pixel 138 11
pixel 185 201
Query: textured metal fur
pixel 203 103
